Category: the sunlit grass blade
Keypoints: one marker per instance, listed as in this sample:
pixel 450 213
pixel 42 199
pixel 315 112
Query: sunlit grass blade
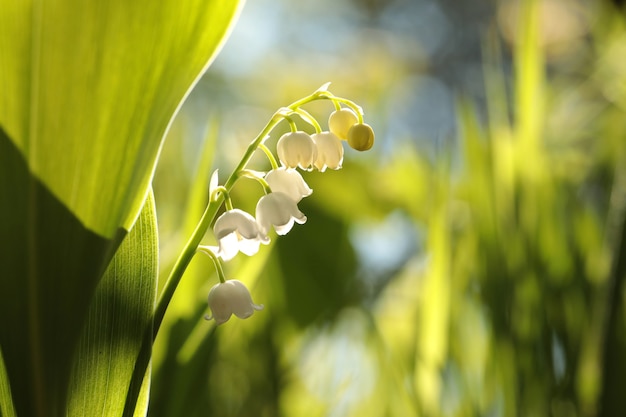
pixel 529 87
pixel 434 320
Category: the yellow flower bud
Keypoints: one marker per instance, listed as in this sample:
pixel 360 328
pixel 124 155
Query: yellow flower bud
pixel 361 137
pixel 340 121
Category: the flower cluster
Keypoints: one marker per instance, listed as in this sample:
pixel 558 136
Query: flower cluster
pixel 238 231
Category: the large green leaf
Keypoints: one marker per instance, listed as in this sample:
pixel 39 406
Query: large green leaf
pixel 87 92
pixel 50 266
pixel 89 88
pixel 121 312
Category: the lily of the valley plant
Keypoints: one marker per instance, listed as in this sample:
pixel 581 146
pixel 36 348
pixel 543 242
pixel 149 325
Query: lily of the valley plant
pixel 284 187
pixel 88 92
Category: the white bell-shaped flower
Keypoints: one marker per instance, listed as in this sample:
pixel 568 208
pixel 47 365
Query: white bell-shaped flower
pixel 288 181
pixel 329 151
pixel 237 231
pixel 296 149
pixel 279 210
pixel 228 298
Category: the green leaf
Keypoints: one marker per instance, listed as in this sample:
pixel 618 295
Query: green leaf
pixel 89 89
pixel 50 267
pixel 119 315
pixel 6 404
pixel 87 92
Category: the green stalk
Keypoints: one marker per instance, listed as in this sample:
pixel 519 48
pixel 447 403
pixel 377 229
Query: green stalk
pixel 216 261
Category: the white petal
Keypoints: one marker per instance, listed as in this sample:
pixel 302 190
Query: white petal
pixel 329 151
pixel 241 301
pixel 221 318
pixel 278 210
pixel 228 246
pixel 296 149
pixel 249 247
pixel 283 229
pixel 247 309
pixel 235 220
pixel 220 302
pixel 288 181
pixel 237 231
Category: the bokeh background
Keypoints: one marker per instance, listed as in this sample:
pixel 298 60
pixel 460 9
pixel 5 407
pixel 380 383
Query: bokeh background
pixel 470 264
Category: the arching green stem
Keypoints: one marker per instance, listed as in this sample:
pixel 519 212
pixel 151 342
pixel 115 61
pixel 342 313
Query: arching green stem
pixel 306 116
pixel 337 101
pixel 222 191
pixel 216 261
pixel 270 155
pixel 255 176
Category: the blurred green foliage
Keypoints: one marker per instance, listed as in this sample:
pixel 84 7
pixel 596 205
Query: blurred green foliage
pixel 484 278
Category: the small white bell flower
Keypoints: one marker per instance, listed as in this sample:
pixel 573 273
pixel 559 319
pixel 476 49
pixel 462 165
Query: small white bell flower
pixel 237 231
pixel 228 298
pixel 279 210
pixel 329 151
pixel 296 149
pixel 288 181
